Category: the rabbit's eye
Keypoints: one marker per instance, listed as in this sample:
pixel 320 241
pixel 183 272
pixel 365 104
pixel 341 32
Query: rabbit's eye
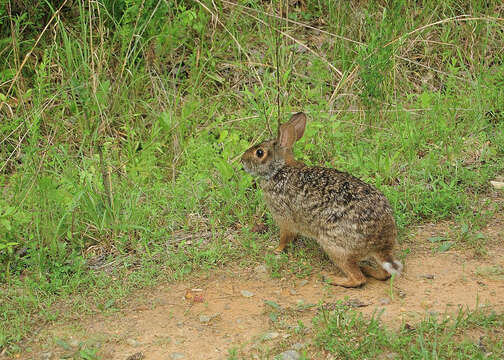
pixel 259 153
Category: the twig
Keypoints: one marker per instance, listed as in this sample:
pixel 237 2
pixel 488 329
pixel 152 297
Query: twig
pixel 106 177
pixel 452 19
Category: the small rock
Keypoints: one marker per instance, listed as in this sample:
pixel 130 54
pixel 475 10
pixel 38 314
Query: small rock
pixel 356 303
pixel 427 276
pixel 74 343
pixel 303 282
pixel 298 346
pixel 177 356
pixel 180 324
pixel 385 301
pixel 132 342
pixel 205 319
pixel 46 356
pixel 270 336
pixel 289 355
pixel 136 356
pixel 247 293
pixel 293 292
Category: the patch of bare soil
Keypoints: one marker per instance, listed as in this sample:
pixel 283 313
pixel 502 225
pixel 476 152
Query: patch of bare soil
pixel 203 318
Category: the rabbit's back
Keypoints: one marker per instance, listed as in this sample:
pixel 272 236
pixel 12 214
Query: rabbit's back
pixel 325 203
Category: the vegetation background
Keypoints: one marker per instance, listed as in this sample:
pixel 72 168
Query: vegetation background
pixel 122 122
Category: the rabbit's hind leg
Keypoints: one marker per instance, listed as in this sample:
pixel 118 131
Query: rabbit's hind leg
pixel 375 272
pixel 389 263
pixel 286 236
pixel 350 267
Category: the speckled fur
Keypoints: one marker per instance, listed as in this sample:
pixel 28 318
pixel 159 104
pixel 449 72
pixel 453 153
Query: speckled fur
pixel 350 219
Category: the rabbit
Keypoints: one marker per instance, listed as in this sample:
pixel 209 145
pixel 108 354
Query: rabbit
pixel 350 219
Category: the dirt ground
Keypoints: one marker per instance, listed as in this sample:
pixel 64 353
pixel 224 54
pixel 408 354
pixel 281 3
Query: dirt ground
pixel 205 317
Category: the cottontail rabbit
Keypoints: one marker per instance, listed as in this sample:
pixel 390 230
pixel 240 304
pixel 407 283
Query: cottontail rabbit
pixel 351 220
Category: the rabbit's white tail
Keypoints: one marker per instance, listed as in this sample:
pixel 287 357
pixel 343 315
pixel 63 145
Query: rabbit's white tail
pixel 393 268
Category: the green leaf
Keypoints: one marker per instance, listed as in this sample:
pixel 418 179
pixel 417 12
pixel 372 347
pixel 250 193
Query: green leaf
pixel 273 316
pixel 216 77
pixel 110 303
pixel 272 304
pixel 445 246
pixel 6 224
pixel 436 239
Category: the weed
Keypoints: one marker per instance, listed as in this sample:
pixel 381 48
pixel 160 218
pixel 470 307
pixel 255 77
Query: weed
pixel 406 97
pixel 346 333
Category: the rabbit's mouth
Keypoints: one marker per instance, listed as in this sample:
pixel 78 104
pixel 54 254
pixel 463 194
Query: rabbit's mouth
pixel 246 168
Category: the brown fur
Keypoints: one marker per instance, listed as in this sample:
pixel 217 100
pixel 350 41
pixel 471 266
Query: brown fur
pixel 350 219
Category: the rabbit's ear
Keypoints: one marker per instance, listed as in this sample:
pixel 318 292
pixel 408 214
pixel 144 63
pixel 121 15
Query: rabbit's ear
pixel 292 131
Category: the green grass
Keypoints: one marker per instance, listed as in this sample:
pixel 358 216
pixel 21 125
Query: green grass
pixel 467 335
pixel 342 332
pixel 168 97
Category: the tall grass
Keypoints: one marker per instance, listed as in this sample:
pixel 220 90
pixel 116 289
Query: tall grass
pixel 122 122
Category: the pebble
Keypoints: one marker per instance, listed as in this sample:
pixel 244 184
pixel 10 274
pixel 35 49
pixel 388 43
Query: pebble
pixel 427 276
pixel 289 355
pixel 74 343
pixel 303 282
pixel 385 301
pixel 247 293
pixel 177 356
pixel 293 292
pixel 356 303
pixel 270 335
pixel 132 342
pixel 205 319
